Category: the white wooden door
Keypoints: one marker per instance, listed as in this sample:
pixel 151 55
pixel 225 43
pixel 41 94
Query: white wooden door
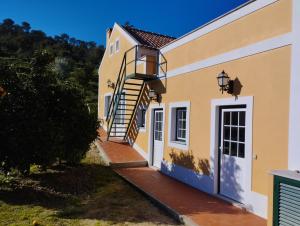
pixel 232 153
pixel 158 129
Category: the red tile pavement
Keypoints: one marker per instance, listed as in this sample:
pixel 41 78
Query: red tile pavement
pixel 203 209
pixel 118 151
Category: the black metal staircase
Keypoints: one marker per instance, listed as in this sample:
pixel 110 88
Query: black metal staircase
pixel 132 79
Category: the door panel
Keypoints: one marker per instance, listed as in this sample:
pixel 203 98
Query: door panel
pixel 232 153
pixel 158 129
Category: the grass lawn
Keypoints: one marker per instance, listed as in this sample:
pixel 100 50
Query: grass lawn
pixel 89 194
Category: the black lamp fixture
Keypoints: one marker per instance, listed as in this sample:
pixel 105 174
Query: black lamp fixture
pixel 2 92
pixel 225 83
pixel 154 95
pixel 110 84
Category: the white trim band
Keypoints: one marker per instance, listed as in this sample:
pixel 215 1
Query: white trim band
pixel 246 51
pixel 294 116
pixel 218 23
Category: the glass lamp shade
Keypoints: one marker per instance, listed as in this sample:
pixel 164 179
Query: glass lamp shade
pixel 2 92
pixel 223 79
pixel 152 94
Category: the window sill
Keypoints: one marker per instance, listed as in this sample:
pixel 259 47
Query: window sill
pixel 179 145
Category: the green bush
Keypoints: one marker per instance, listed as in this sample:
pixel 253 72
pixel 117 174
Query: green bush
pixel 42 118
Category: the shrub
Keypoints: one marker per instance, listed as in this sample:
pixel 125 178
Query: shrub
pixel 42 118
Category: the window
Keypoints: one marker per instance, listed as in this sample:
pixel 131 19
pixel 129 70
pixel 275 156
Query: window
pixel 121 110
pixel 111 49
pixel 234 133
pixel 158 125
pixel 107 100
pixel 141 119
pixel 179 125
pixel 117 45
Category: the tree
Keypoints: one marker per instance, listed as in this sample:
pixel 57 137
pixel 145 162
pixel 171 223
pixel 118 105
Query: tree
pixel 26 27
pixel 62 67
pixel 8 23
pixel 42 118
pixel 20 41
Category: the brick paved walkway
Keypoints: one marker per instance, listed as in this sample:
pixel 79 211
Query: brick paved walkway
pixel 118 151
pixel 201 208
pixel 195 207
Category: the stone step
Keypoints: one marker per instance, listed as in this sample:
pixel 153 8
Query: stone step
pixel 132 164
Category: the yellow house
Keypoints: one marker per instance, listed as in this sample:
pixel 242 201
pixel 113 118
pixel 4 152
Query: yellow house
pixel 217 108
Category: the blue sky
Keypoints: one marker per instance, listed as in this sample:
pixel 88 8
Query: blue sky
pixel 88 19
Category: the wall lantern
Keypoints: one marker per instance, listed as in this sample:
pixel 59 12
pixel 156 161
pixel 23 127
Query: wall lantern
pixel 225 83
pixel 110 84
pixel 154 95
pixel 2 92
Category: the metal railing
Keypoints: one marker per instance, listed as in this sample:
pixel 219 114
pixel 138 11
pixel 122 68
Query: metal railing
pixel 134 57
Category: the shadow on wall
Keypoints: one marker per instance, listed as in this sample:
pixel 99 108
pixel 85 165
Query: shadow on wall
pixel 230 174
pixel 143 104
pixel 159 87
pixel 198 174
pixel 237 87
pixel 187 160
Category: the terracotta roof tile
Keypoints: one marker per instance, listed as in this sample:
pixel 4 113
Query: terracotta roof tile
pixel 149 38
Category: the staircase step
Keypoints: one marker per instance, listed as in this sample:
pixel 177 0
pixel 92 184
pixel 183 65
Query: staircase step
pixel 134 95
pixel 127 104
pixel 120 109
pixel 123 114
pixel 129 99
pixel 132 164
pixel 132 89
pixel 133 84
pixel 139 76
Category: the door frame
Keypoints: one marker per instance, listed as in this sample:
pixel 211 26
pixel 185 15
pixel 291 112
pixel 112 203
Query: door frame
pixel 153 107
pixel 216 105
pixel 227 108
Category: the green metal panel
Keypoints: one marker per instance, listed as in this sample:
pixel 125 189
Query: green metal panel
pixel 286 202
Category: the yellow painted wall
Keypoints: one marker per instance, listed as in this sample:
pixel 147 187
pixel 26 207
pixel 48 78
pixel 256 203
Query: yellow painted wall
pixel 265 76
pixel 265 23
pixel 110 66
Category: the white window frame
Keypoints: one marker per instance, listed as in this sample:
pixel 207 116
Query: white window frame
pixel 111 49
pixel 142 128
pixel 172 142
pixel 105 110
pixel 117 49
pixel 177 137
